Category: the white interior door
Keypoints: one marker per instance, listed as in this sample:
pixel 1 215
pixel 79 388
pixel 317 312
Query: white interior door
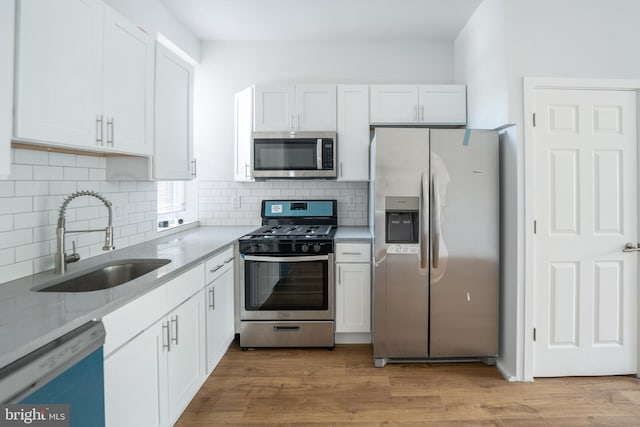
pixel 586 210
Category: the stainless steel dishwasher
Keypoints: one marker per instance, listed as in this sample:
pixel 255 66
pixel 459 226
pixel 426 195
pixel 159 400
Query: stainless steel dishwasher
pixel 67 371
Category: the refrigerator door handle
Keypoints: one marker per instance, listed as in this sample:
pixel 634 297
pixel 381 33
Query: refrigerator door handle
pixel 436 222
pixel 424 219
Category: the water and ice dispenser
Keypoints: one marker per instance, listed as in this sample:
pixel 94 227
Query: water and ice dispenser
pixel 402 219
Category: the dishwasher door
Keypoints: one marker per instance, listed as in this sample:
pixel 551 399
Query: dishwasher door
pixel 67 371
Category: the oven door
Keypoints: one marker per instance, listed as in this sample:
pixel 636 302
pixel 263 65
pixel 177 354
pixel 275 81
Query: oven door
pixel 287 287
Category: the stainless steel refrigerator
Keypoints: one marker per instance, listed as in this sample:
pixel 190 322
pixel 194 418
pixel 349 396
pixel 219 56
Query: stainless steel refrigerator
pixel 434 209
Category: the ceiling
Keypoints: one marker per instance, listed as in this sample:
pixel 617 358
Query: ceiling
pixel 324 20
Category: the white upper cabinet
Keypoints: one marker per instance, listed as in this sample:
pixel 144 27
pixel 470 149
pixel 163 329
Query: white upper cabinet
pixel 424 104
pixel 443 104
pixel 84 77
pixel 59 56
pixel 394 104
pixel 7 20
pixel 274 105
pixel 173 158
pixel 243 118
pixel 353 132
pixel 127 85
pixel 286 108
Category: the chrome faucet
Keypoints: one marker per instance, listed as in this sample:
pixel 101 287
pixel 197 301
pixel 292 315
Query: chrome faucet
pixel 61 258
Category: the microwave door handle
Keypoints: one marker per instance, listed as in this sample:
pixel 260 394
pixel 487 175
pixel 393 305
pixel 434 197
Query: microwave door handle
pixel 319 153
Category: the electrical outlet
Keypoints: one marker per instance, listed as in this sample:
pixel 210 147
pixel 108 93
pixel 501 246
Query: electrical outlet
pixel 235 202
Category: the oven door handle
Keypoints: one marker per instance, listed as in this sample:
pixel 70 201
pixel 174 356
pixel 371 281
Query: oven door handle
pixel 305 258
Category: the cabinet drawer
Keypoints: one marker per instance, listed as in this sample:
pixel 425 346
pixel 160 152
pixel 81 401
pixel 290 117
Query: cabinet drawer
pixel 185 285
pixel 129 320
pixel 353 252
pixel 218 264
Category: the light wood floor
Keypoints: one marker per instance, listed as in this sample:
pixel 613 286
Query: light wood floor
pixel 318 387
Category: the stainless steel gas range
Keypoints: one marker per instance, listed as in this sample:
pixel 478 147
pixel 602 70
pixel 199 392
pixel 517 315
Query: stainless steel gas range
pixel 287 290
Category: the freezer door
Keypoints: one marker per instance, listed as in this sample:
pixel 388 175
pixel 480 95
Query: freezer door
pixel 464 299
pixel 401 270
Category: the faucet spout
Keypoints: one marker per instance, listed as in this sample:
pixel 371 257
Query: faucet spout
pixel 61 258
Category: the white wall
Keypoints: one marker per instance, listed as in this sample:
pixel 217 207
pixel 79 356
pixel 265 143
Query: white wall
pixel 154 17
pixel 545 38
pixel 571 38
pixel 481 63
pixel 228 67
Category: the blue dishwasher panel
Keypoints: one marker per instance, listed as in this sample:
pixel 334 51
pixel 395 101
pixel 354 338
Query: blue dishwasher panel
pixel 81 387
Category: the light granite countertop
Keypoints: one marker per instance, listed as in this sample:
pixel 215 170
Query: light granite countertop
pixel 29 320
pixel 353 233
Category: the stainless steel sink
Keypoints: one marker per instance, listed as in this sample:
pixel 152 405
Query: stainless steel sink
pixel 105 276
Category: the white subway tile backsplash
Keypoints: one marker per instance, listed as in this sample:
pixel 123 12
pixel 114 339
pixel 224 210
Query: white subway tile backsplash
pixel 90 212
pixel 21 172
pixel 16 270
pixel 76 174
pixel 32 188
pixel 97 174
pixel 7 189
pixel 215 206
pixel 30 220
pixel 10 205
pixel 88 162
pixel 9 239
pixel 62 159
pixel 7 256
pixel 31 251
pixel 62 187
pixel 31 157
pixel 31 198
pixel 6 222
pixel 48 173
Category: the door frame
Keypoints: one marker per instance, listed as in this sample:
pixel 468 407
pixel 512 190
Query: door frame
pixel 530 85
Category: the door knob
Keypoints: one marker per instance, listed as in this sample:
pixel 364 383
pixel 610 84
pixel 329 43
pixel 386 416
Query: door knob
pixel 631 247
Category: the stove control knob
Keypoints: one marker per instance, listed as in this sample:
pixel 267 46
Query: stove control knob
pixel 317 247
pixel 305 248
pixel 265 247
pixel 253 247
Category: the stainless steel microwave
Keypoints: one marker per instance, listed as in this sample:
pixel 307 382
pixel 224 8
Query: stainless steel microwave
pixel 294 155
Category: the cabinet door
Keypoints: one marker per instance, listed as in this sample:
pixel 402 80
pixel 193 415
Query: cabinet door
pixel 7 22
pixel 443 104
pixel 243 121
pixel 353 298
pixel 133 382
pixel 394 104
pixel 220 318
pixel 274 108
pixel 353 131
pixel 185 371
pixel 127 86
pixel 315 108
pixel 59 58
pixel 173 117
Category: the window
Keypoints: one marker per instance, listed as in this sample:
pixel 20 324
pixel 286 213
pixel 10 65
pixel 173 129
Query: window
pixel 175 203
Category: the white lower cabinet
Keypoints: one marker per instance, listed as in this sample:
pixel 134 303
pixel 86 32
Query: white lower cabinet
pixel 134 382
pixel 353 293
pixel 353 298
pixel 219 296
pixel 152 374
